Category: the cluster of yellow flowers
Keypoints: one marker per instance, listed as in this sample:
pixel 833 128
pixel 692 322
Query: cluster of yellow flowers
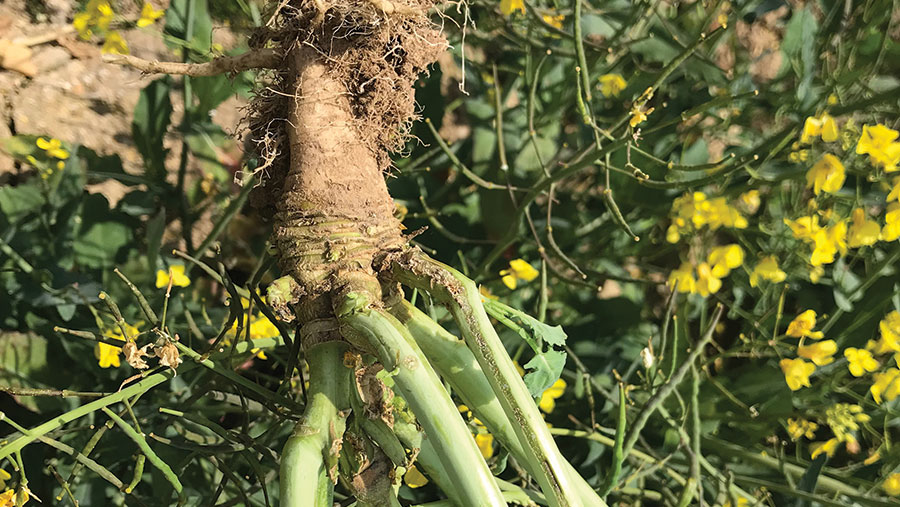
pixel 797 371
pixel 693 211
pixel 98 15
pixel 828 175
pixel 9 498
pixel 842 418
pixel 54 156
pixel 709 274
pixel 835 238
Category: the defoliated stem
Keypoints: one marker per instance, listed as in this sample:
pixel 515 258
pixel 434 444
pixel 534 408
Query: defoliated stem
pixel 461 295
pixel 422 389
pixel 457 365
pixel 307 455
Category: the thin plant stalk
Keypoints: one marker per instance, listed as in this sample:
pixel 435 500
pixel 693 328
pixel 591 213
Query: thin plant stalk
pixel 458 366
pixel 305 480
pixel 420 386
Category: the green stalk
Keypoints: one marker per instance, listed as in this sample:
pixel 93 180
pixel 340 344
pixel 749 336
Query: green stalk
pixel 306 458
pixel 457 365
pixel 420 386
pixel 461 295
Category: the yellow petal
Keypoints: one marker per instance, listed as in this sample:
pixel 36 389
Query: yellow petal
pixel 414 478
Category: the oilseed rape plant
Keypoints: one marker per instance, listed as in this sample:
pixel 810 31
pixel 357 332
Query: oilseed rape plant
pixel 395 253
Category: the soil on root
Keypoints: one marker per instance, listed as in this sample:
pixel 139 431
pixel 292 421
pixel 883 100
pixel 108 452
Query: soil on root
pixel 323 129
pixel 374 50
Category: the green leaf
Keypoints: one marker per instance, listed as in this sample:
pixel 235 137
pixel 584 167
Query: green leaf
pixel 211 91
pixel 149 126
pixel 155 228
pixel 102 233
pixel 799 44
pixel 22 357
pixel 15 202
pixel 20 146
pixel 546 341
pixel 180 14
pixel 810 477
pixel 103 167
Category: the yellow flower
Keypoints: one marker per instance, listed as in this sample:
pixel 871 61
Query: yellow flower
pixel 548 399
pixel 891 229
pixel 518 270
pixel 414 478
pixel 844 418
pixel 767 269
pixel 828 447
pixel 507 7
pixel 815 273
pixel 707 282
pixel 826 175
pixel 53 147
pixel 262 327
pixel 97 13
pixel 750 201
pixel 684 278
pixel 4 476
pixel 108 355
pixel 820 353
pixel 860 361
pixel 485 442
pixel 890 334
pixel 81 22
pixel 804 228
pixel 114 44
pixel 176 272
pixel 828 242
pixel 8 498
pixel 879 142
pixel 863 232
pixel 554 21
pixel 611 85
pixel 639 115
pixel 894 194
pixel 803 325
pixel 149 15
pixel 798 156
pixel 796 372
pixel 800 427
pixel 824 126
pixel 725 258
pixel 873 457
pixel 885 384
pixel 891 485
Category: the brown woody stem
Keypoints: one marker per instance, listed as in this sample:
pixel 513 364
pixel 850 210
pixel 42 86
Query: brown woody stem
pixel 256 59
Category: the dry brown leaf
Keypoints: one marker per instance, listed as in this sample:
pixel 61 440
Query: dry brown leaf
pixel 168 355
pixel 134 355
